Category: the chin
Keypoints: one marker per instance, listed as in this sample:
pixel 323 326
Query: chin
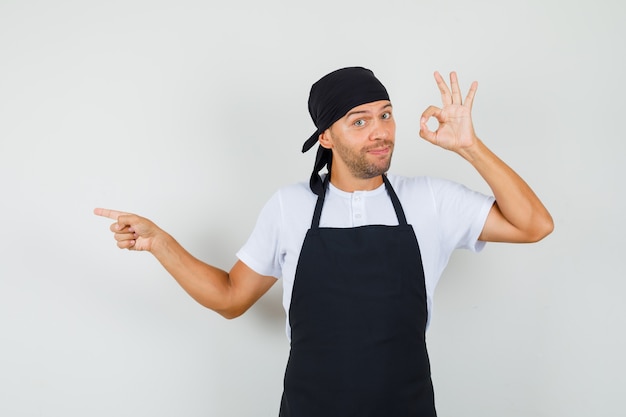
pixel 376 172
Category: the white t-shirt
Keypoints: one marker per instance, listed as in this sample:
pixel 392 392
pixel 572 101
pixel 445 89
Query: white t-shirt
pixel 445 216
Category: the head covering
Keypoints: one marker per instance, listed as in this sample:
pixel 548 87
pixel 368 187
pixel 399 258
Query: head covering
pixel 330 99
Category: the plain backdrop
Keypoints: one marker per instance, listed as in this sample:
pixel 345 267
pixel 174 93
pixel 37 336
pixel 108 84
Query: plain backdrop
pixel 193 112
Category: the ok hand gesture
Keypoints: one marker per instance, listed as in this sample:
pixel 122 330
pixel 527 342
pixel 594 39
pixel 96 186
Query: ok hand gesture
pixel 455 131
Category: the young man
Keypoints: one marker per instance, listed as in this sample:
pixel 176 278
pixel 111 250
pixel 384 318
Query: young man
pixel 359 251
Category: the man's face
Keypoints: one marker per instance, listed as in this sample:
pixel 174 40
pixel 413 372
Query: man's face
pixel 362 141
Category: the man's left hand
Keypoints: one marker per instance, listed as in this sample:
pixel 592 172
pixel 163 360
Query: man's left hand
pixel 456 130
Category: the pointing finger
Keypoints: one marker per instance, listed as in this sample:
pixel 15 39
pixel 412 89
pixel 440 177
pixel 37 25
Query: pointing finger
pixel 111 214
pixel 432 111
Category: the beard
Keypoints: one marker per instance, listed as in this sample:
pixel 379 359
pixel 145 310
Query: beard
pixel 363 165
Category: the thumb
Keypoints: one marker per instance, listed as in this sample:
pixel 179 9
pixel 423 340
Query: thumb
pixel 425 131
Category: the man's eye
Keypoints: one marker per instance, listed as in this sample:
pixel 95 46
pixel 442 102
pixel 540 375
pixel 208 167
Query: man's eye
pixel 359 122
pixel 386 116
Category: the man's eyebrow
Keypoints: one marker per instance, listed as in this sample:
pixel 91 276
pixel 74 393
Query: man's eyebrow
pixel 355 112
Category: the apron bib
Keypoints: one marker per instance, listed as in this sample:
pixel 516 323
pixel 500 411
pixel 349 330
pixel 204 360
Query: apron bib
pixel 358 319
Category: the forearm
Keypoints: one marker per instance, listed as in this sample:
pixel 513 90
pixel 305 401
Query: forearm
pixel 228 293
pixel 208 285
pixel 515 200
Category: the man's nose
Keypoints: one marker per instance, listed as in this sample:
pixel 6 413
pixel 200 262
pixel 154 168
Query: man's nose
pixel 380 130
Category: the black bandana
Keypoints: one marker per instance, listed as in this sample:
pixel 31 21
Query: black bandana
pixel 330 99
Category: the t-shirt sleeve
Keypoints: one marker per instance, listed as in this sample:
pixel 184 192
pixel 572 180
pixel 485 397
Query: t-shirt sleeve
pixel 462 212
pixel 261 252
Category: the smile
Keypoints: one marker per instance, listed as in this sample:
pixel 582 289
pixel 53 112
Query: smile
pixel 380 151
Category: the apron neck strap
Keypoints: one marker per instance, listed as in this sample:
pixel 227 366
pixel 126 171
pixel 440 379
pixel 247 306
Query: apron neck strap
pixel 395 201
pixel 317 214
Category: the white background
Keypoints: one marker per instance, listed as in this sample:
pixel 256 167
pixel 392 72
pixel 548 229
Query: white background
pixel 193 112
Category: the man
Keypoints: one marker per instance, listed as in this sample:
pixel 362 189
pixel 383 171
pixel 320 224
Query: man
pixel 359 252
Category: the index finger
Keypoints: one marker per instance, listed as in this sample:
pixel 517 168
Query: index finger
pixel 111 214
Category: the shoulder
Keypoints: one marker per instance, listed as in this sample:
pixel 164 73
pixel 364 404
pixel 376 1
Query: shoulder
pixel 406 186
pixel 426 184
pixel 439 195
pixel 290 200
pixel 296 193
pixel 401 181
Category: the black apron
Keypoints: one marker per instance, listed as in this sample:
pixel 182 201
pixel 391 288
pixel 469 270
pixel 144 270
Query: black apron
pixel 358 320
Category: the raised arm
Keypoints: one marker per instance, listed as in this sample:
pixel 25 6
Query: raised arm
pixel 518 215
pixel 228 293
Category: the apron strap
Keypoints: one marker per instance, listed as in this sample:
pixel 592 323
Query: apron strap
pixel 317 214
pixel 396 201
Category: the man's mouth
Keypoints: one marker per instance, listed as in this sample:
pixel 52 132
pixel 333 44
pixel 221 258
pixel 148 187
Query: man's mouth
pixel 380 150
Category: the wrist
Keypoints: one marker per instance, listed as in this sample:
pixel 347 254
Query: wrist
pixel 161 243
pixel 474 151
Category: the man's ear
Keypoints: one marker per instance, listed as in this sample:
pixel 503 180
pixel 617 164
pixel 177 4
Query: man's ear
pixel 325 139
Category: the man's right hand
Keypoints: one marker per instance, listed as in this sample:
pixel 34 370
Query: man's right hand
pixel 131 231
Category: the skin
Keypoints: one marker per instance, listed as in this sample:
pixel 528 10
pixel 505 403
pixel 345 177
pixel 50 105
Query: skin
pixel 362 144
